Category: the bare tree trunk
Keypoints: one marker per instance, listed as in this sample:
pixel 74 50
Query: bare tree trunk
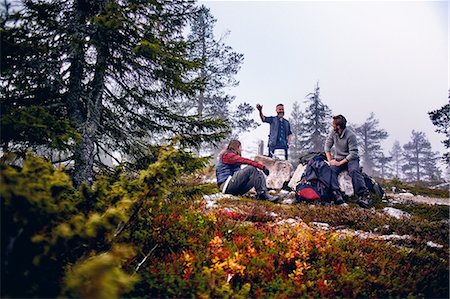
pixel 85 152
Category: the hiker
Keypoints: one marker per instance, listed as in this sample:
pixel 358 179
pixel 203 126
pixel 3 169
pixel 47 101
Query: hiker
pixel 280 130
pixel 345 158
pixel 231 179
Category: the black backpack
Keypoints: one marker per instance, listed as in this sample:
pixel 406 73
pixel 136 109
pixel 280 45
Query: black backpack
pixel 313 191
pixel 372 185
pixel 313 187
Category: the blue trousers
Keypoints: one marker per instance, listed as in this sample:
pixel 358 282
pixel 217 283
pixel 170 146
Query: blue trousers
pixel 359 186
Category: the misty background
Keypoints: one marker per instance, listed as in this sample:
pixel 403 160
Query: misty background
pixel 389 58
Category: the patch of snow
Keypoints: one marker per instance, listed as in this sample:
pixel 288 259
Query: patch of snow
pixel 211 200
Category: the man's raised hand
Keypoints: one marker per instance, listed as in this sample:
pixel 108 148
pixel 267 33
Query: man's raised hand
pixel 259 107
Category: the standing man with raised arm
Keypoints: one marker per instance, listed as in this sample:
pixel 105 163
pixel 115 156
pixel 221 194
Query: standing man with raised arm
pixel 280 130
pixel 345 158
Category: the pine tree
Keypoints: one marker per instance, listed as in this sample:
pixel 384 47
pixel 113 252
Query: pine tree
pixel 397 159
pixel 316 122
pixel 441 119
pixel 370 138
pixel 296 122
pixel 117 70
pixel 420 160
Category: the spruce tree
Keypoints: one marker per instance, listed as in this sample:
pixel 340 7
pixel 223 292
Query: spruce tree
pixel 397 159
pixel 316 124
pixel 441 119
pixel 296 121
pixel 420 160
pixel 218 66
pixel 382 166
pixel 370 138
pixel 116 70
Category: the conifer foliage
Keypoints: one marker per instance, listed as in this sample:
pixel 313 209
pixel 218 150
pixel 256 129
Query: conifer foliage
pixel 441 119
pixel 115 69
pixel 370 137
pixel 317 122
pixel 296 121
pixel 57 240
pixel 218 66
pixel 420 162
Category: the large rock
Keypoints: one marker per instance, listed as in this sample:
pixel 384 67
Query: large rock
pixel 297 176
pixel 345 183
pixel 280 171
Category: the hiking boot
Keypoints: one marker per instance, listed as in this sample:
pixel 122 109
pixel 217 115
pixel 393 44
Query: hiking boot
pixel 338 200
pixel 267 196
pixel 364 201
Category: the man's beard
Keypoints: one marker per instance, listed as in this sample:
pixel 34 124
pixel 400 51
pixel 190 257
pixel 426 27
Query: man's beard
pixel 280 115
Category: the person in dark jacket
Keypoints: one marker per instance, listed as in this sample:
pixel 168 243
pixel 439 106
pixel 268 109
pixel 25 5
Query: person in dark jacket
pixel 280 130
pixel 231 179
pixel 345 158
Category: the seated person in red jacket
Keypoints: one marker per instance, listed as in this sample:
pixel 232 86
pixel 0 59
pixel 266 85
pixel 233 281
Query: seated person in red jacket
pixel 231 179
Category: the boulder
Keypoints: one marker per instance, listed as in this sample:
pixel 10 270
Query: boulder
pixel 280 171
pixel 345 183
pixel 296 177
pixel 396 213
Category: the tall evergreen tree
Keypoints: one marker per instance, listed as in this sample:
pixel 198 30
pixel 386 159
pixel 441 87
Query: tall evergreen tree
pixel 397 159
pixel 316 124
pixel 296 121
pixel 441 119
pixel 420 160
pixel 382 166
pixel 219 65
pixel 116 69
pixel 370 138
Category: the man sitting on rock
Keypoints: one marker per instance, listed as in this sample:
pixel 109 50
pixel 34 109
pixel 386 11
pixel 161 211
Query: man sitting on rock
pixel 231 179
pixel 345 158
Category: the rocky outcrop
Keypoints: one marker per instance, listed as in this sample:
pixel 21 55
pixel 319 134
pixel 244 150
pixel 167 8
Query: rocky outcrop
pixel 280 171
pixel 345 183
pixel 296 177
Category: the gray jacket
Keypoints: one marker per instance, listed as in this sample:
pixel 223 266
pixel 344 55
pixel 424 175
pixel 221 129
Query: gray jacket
pixel 346 145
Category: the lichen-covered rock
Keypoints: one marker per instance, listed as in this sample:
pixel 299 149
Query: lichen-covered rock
pixel 280 171
pixel 396 213
pixel 345 183
pixel 296 177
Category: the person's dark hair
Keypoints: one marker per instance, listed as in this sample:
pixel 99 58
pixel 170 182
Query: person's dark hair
pixel 340 121
pixel 279 105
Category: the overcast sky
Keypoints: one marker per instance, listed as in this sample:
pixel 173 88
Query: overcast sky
pixel 386 57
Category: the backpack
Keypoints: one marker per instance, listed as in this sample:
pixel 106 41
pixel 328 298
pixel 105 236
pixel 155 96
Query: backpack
pixel 313 187
pixel 372 185
pixel 313 191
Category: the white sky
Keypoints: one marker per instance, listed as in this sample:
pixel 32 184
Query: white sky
pixel 386 57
